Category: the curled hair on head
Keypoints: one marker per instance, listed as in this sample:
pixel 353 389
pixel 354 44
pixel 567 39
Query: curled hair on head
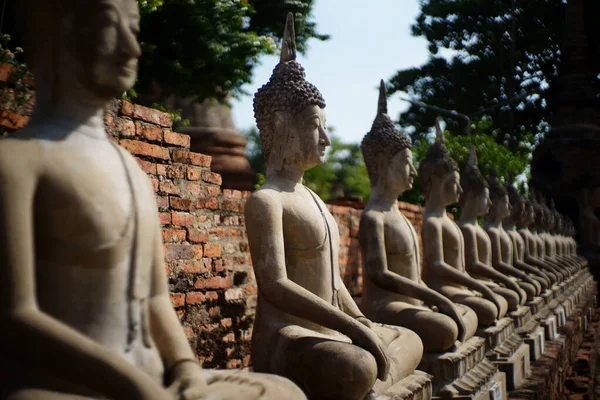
pixel 383 139
pixel 497 190
pixel 471 180
pixel 517 200
pixel 437 161
pixel 287 90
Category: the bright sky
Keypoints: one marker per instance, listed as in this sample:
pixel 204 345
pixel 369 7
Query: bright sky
pixel 370 40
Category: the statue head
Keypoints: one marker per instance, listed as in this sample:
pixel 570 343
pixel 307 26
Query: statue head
pixel 500 203
pixel 476 189
pixel 439 172
pixel 517 203
pixel 289 112
pixel 88 45
pixel 539 221
pixel 387 151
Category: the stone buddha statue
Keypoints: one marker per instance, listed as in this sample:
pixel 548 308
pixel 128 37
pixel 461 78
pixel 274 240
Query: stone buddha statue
pixel 552 240
pixel 85 309
pixel 475 202
pixel 443 243
pixel 526 229
pixel 307 327
pixel 501 242
pixel 518 210
pixel 393 291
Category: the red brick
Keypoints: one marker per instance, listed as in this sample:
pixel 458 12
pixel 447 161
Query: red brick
pixel 12 121
pixel 178 299
pixel 175 171
pixel 233 194
pixel 118 126
pixel 252 289
pixel 194 174
pixel 226 322
pixel 173 235
pixel 213 250
pixel 230 338
pixel 164 218
pixel 145 149
pixel 177 139
pixel 214 312
pixel 161 169
pixel 194 266
pixel 147 166
pixel 211 177
pixel 177 203
pixel 194 298
pixel 197 236
pixel 193 188
pixel 213 191
pixel 214 296
pixel 216 282
pixel 180 156
pixel 233 295
pixel 189 332
pixel 146 114
pixel 162 201
pixel 182 219
pixel 179 251
pixel 233 364
pixel 230 205
pixel 201 160
pixel 6 70
pixel 169 188
pixel 148 132
pixel 211 204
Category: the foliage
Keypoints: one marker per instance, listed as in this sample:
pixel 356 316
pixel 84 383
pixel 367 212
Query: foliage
pixel 21 78
pixel 501 53
pixel 208 48
pixel 343 165
pixel 202 48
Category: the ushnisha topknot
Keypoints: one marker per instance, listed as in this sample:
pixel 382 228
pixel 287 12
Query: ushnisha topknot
pixel 471 179
pixel 517 200
pixel 287 90
pixel 497 190
pixel 437 161
pixel 383 138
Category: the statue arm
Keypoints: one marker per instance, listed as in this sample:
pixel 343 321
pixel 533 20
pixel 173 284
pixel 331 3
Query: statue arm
pixel 372 243
pixel 31 336
pixel 433 249
pixel 505 268
pixel 479 268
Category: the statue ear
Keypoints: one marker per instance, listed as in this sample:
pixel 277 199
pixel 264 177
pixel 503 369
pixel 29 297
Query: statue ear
pixel 280 132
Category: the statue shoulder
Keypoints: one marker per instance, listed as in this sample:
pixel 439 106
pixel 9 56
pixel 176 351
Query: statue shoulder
pixel 19 157
pixel 263 200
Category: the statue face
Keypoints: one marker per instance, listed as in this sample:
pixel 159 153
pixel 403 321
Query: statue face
pixel 451 189
pixel 483 202
pixel 503 207
pixel 401 171
pixel 518 211
pixel 308 139
pixel 103 45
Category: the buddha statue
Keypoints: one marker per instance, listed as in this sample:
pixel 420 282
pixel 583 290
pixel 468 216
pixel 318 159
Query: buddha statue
pixel 307 326
pixel 475 202
pixel 443 244
pixel 500 240
pixel 527 230
pixel 551 238
pixel 518 209
pixel 393 291
pixel 86 310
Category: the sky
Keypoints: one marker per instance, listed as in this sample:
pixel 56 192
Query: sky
pixel 370 41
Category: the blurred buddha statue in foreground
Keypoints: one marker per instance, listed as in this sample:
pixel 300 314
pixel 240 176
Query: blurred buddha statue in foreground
pixel 393 290
pixel 307 327
pixel 85 305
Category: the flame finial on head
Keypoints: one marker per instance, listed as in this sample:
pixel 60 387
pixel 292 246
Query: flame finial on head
pixel 439 133
pixel 382 103
pixel 473 156
pixel 288 47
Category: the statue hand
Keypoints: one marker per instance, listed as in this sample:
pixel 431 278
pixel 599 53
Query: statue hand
pixel 453 312
pixel 188 381
pixel 365 321
pixel 367 339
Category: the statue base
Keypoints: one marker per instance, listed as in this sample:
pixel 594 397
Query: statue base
pixel 521 316
pixel 416 386
pixel 536 305
pixel 507 350
pixel 493 389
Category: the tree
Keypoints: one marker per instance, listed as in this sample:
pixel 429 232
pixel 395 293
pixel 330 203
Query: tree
pixel 203 48
pixel 504 50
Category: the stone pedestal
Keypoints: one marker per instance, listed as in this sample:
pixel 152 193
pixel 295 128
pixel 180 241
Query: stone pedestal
pixel 416 386
pixel 507 350
pixel 465 371
pixel 536 305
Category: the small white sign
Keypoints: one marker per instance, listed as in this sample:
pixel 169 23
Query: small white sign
pixel 585 319
pixel 552 322
pixel 541 339
pixel 496 392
